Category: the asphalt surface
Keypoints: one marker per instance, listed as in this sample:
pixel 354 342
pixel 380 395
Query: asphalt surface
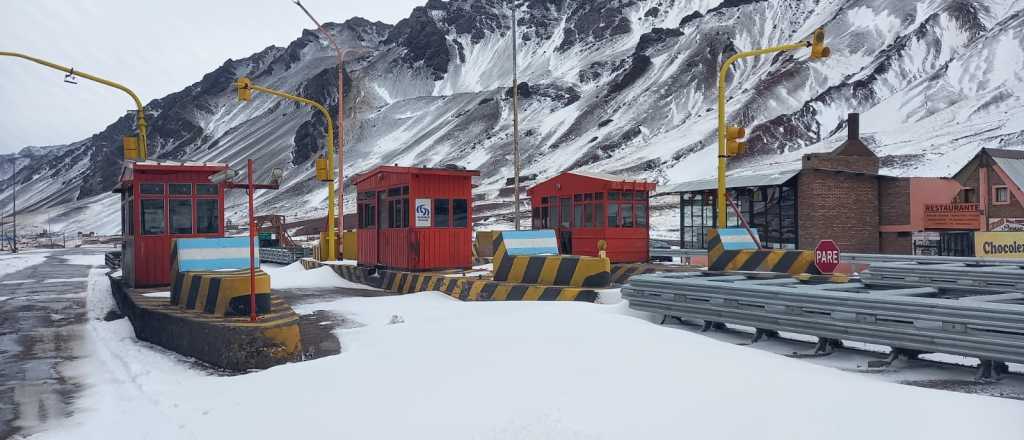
pixel 42 311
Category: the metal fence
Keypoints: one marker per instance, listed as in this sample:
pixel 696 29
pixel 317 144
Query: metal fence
pixel 910 318
pixel 862 258
pixel 284 255
pixel 951 277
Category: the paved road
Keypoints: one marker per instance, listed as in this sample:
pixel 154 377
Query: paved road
pixel 42 311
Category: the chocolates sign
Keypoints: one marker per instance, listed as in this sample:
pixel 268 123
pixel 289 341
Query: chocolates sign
pixel 952 216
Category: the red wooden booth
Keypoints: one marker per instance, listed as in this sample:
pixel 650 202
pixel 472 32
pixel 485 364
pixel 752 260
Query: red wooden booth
pixel 584 208
pixel 415 218
pixel 161 201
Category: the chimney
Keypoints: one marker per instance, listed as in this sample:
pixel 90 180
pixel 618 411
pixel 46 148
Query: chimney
pixel 853 126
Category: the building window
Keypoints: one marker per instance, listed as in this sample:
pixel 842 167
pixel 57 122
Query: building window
pixel 398 207
pixel 1000 195
pixel 151 188
pixel 179 189
pixel 153 216
pixel 181 216
pixel 771 210
pixel 206 189
pixel 207 216
pixel 441 213
pixel 968 195
pixel 460 213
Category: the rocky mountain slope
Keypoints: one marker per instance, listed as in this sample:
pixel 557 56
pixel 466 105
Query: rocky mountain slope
pixel 624 86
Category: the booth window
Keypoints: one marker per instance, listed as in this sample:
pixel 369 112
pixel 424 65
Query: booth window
pixel 179 189
pixel 153 216
pixel 206 189
pixel 1000 195
pixel 460 213
pixel 641 214
pixel 565 206
pixel 613 215
pixel 398 207
pixel 181 216
pixel 151 188
pixel 207 216
pixel 441 213
pixel 627 214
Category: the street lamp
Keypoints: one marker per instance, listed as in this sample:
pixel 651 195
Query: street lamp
pixel 340 54
pixel 324 166
pixel 134 147
pixel 730 138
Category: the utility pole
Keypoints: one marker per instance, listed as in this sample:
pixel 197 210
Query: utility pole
pixel 340 54
pixel 14 205
pixel 515 115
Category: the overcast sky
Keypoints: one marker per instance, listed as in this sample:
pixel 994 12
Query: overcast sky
pixel 152 47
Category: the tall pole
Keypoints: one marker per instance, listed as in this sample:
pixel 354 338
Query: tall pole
pixel 515 115
pixel 340 54
pixel 14 205
pixel 245 84
pixel 141 116
pixel 252 245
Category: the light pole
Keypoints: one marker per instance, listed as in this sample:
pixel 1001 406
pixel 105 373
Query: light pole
pixel 324 167
pixel 131 144
pixel 340 54
pixel 515 116
pixel 729 143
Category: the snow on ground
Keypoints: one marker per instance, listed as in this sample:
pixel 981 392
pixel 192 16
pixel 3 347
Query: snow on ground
pixel 507 370
pixel 10 263
pixel 85 260
pixel 295 276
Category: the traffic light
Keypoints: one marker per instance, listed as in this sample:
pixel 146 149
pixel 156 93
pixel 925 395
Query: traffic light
pixel 244 87
pixel 734 146
pixel 131 147
pixel 818 48
pixel 323 173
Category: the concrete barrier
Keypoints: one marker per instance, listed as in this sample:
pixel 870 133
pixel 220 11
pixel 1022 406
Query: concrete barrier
pixel 531 257
pixel 220 293
pixel 723 258
pixel 232 343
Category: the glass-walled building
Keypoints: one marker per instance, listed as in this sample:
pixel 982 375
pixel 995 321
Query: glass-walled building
pixel 768 202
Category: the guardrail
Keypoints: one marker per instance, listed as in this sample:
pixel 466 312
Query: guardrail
pixel 910 320
pixel 864 258
pixel 284 255
pixel 960 277
pixel 112 260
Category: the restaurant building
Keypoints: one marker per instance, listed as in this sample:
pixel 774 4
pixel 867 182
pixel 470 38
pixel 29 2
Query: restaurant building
pixel 841 196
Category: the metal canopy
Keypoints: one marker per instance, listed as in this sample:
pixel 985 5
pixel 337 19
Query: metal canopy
pixel 738 181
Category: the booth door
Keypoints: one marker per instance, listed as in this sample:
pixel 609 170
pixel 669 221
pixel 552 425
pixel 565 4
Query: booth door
pixel 564 229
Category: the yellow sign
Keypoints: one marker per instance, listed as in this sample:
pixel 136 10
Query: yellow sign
pixel 1001 245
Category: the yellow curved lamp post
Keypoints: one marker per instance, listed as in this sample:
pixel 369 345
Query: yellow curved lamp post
pixel 729 143
pixel 131 145
pixel 324 167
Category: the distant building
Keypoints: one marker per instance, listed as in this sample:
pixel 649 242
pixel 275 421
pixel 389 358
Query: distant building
pixel 841 196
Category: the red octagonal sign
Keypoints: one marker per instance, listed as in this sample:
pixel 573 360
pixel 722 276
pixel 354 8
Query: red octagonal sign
pixel 826 256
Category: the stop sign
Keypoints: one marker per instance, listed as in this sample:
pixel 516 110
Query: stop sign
pixel 826 256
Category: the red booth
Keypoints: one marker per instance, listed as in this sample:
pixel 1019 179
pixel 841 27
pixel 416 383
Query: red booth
pixel 415 218
pixel 584 208
pixel 161 201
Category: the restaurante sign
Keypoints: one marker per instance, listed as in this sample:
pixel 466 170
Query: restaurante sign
pixel 952 216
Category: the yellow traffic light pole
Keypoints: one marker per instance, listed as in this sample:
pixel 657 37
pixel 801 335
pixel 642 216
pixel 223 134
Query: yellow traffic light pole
pixel 143 152
pixel 728 137
pixel 245 88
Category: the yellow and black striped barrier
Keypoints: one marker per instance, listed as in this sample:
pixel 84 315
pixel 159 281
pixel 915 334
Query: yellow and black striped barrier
pixel 793 262
pixel 555 270
pixel 220 293
pixel 310 263
pixel 484 290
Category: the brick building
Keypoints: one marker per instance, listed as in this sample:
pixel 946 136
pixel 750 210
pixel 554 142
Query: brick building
pixel 840 196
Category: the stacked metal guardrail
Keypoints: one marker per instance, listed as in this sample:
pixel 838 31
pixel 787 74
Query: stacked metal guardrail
pixel 952 277
pixel 860 258
pixel 904 318
pixel 284 255
pixel 112 259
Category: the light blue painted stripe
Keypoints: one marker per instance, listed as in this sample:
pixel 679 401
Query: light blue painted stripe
pixel 540 233
pixel 218 264
pixel 209 243
pixel 533 251
pixel 737 239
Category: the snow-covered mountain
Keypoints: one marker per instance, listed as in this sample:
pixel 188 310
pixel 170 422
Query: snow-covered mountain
pixel 624 86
